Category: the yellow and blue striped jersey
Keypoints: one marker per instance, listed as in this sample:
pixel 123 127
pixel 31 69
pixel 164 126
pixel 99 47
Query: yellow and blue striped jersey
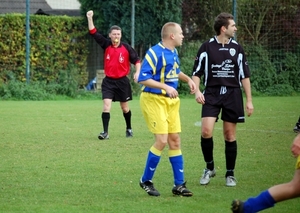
pixel 162 65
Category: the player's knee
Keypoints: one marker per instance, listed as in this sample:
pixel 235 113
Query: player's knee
pixel 174 144
pixel 229 136
pixel 124 107
pixel 160 144
pixel 206 133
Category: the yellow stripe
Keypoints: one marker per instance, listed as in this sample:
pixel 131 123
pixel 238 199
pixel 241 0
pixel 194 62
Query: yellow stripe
pixel 152 63
pixel 163 69
pixel 155 151
pixel 161 45
pixel 162 72
pixel 154 55
pixel 298 163
pixel 173 153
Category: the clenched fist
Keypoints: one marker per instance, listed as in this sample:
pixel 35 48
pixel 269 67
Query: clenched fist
pixel 89 14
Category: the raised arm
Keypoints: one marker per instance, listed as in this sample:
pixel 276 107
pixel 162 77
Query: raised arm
pixel 89 16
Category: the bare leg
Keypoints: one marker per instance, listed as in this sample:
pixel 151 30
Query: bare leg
pixel 288 190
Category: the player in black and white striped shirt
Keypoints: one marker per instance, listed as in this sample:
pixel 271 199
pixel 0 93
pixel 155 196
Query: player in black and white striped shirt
pixel 222 63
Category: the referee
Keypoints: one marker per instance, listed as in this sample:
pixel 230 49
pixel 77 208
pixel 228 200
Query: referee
pixel 222 63
pixel 115 86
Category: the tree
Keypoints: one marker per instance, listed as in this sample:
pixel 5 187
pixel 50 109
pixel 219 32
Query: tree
pixel 198 17
pixel 149 18
pixel 268 22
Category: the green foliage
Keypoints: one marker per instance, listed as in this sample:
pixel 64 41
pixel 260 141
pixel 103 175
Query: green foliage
pixel 66 86
pixel 263 73
pixel 57 43
pixel 279 90
pixel 68 83
pixel 198 17
pixel 269 23
pixel 17 90
pixel 273 73
pixel 187 54
pixel 149 17
pixel 290 72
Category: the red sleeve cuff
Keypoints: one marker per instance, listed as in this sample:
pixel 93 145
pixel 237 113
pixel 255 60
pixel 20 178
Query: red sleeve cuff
pixel 93 31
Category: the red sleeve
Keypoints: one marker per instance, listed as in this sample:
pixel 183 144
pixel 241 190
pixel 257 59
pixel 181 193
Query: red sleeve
pixel 93 31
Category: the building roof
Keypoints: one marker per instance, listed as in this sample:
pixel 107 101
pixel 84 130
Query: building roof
pixel 64 4
pixel 40 7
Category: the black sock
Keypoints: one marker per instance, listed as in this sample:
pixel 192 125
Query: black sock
pixel 230 155
pixel 127 117
pixel 105 120
pixel 207 147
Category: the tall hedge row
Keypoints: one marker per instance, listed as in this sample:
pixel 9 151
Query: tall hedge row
pixel 58 47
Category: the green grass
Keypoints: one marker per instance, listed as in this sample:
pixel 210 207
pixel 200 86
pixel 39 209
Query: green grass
pixel 52 161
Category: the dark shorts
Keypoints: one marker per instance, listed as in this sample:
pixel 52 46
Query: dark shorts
pixel 228 100
pixel 116 89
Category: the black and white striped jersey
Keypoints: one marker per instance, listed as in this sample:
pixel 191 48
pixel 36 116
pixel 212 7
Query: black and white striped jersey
pixel 221 65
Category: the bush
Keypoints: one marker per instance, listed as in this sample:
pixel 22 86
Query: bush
pixel 291 70
pixel 280 90
pixel 263 72
pixel 57 43
pixel 39 91
pixel 17 90
pixel 187 54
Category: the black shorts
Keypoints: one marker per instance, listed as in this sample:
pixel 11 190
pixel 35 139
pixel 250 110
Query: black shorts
pixel 229 100
pixel 116 89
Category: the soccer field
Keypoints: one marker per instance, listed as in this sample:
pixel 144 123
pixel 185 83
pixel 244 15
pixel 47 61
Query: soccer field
pixel 52 160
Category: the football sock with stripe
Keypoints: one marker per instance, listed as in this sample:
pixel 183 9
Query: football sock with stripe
pixel 176 160
pixel 151 163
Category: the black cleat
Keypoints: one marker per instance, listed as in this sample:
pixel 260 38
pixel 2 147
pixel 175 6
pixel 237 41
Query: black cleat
pixel 237 206
pixel 149 188
pixel 182 190
pixel 129 133
pixel 297 128
pixel 103 136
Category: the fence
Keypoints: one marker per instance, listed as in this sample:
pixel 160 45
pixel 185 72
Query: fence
pixel 269 31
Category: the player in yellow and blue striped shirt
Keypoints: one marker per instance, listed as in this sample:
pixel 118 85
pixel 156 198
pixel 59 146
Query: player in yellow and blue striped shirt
pixel 160 104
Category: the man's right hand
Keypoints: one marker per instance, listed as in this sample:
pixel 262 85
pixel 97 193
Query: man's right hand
pixel 89 14
pixel 199 97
